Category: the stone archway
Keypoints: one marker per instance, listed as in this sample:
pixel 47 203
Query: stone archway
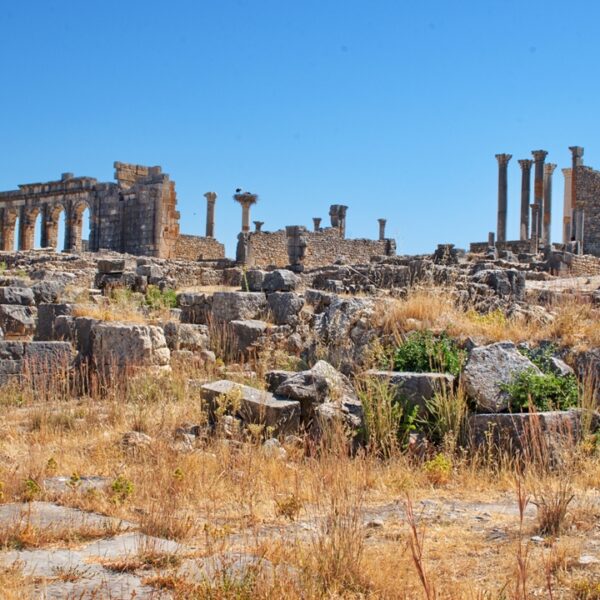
pixel 9 222
pixel 27 226
pixel 75 226
pixel 51 225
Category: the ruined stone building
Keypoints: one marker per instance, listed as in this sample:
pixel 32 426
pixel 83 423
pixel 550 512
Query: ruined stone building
pixel 136 214
pixel 581 206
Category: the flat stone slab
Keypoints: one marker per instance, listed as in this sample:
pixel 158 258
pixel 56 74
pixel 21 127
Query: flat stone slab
pixel 61 484
pixel 256 406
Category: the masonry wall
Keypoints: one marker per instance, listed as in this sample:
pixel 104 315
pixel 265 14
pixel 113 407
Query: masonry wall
pixel 588 198
pixel 193 247
pixel 515 246
pixel 324 248
pixel 584 265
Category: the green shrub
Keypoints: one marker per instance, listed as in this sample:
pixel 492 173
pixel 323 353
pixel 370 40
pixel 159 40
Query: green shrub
pixel 545 391
pixel 157 299
pixel 122 488
pixel 423 352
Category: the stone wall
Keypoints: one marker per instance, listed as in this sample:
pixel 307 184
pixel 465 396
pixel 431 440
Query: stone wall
pixel 137 215
pixel 324 247
pixel 584 265
pixel 515 246
pixel 193 247
pixel 588 198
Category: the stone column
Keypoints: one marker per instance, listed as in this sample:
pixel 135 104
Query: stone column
pixel 211 198
pixel 382 223
pixel 246 199
pixel 258 225
pixel 567 207
pixel 546 233
pixel 576 161
pixel 342 219
pixel 491 239
pixel 525 194
pixel 539 156
pixel 502 194
pixel 317 223
pixel 534 228
pixel 296 246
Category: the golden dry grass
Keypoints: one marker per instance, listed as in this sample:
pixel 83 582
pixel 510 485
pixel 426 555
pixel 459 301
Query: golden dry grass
pixel 573 322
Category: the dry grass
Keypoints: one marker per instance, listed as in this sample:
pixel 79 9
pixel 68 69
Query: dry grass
pixel 574 323
pixel 308 511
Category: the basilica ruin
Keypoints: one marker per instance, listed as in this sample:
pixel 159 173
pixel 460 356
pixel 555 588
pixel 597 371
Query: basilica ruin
pixel 137 214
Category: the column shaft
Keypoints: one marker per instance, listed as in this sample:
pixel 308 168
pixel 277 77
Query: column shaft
pixel 502 194
pixel 525 198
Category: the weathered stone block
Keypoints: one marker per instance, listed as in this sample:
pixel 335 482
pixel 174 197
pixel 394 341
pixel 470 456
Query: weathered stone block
pixel 256 406
pixel 285 307
pixel 108 266
pixel 280 280
pixel 231 306
pixel 47 314
pixel 246 333
pixel 17 295
pixel 17 320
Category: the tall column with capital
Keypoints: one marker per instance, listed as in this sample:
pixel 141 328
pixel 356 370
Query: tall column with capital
pixel 211 198
pixel 539 156
pixel 246 199
pixel 577 161
pixel 316 223
pixel 546 233
pixel 382 223
pixel 502 194
pixel 525 164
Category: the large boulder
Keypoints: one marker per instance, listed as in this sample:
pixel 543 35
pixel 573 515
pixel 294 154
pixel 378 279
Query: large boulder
pixel 231 306
pixel 48 359
pixel 47 314
pixel 531 431
pixel 17 295
pixel 488 369
pixel 246 333
pixel 324 385
pixel 285 307
pixel 17 320
pixel 119 345
pixel 506 283
pixel 414 388
pixel 253 406
pixel 280 280
pixel 186 336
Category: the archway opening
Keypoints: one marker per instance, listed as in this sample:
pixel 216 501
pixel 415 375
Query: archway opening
pixel 85 229
pixel 16 234
pixel 37 231
pixel 59 218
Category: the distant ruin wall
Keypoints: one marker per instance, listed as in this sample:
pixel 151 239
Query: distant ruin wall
pixel 193 247
pixel 514 246
pixel 323 248
pixel 584 265
pixel 588 198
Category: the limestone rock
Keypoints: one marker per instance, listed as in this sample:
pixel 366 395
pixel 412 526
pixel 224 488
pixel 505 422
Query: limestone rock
pixel 231 306
pixel 186 336
pixel 280 280
pixel 487 368
pixel 16 320
pixel 22 296
pixel 285 307
pixel 47 314
pixel 246 333
pixel 108 266
pixel 47 292
pixel 255 406
pixel 117 345
pixel 252 280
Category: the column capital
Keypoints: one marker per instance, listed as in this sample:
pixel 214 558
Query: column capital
pixel 539 155
pixel 525 163
pixel 210 196
pixel 382 221
pixel 549 168
pixel 576 151
pixel 503 159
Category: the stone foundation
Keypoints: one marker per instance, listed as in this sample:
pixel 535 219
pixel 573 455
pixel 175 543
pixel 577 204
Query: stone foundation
pixel 193 247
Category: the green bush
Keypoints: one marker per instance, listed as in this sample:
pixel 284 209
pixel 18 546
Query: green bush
pixel 423 352
pixel 157 299
pixel 545 391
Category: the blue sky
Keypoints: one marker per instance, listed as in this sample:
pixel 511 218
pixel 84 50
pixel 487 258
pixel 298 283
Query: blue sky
pixel 394 108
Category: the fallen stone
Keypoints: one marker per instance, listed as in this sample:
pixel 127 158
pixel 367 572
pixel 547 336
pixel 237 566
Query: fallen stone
pixel 17 295
pixel 186 336
pixel 487 368
pixel 285 307
pixel 47 314
pixel 46 292
pixel 232 306
pixel 16 320
pixel 414 388
pixel 280 280
pixel 252 280
pixel 246 333
pixel 255 406
pixel 108 266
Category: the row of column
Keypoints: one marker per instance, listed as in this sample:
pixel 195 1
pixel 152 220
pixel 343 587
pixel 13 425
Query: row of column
pixel 539 229
pixel 337 214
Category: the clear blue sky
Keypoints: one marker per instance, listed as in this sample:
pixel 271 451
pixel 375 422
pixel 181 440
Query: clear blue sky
pixel 394 108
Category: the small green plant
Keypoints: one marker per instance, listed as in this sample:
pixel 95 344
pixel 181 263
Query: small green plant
pixel 3 267
pixel 422 352
pixel 32 490
pixel 546 391
pixel 74 481
pixel 446 417
pixel 122 488
pixel 157 299
pixel 51 466
pixel 438 469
